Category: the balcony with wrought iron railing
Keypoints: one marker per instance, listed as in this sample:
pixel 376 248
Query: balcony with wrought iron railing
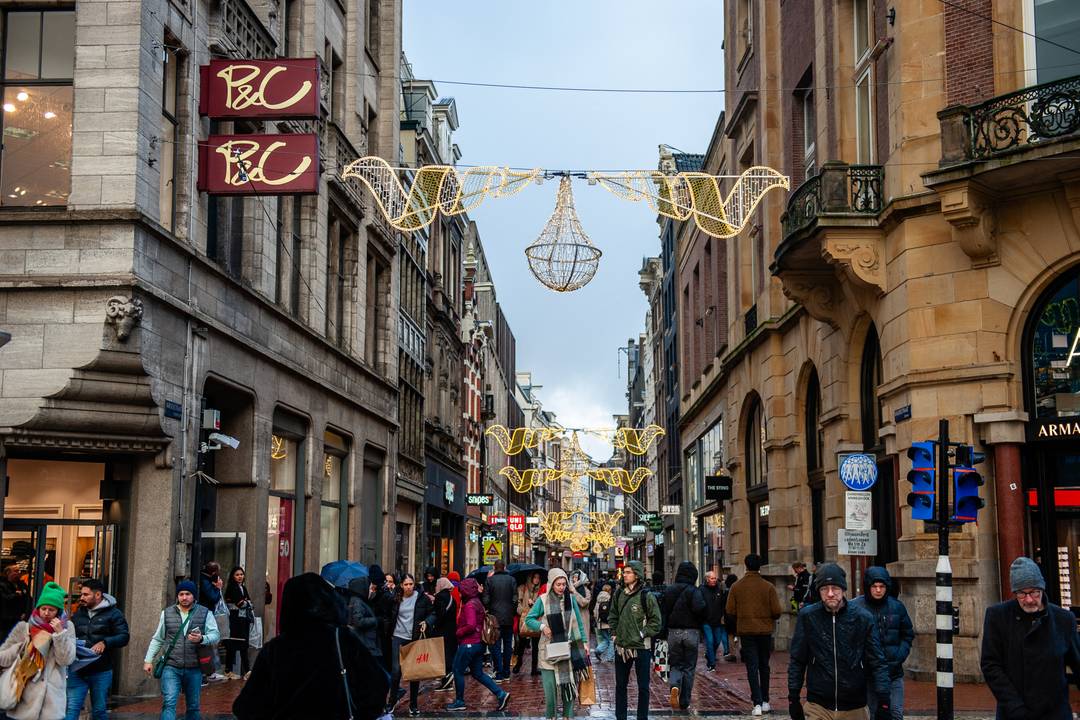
pixel 838 192
pixel 342 151
pixel 237 31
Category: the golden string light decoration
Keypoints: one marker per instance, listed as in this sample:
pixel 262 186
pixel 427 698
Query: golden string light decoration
pixel 563 258
pixel 434 189
pixel 514 441
pixel 637 441
pixel 696 195
pixel 620 478
pixel 278 448
pixel 578 528
pixel 524 481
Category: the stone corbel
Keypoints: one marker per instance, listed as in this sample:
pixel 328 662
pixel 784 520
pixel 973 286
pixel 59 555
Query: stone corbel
pixel 860 257
pixel 123 313
pixel 972 218
pixel 818 292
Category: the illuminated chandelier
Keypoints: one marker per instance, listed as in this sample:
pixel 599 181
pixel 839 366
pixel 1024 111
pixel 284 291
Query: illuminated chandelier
pixel 563 258
pixel 579 529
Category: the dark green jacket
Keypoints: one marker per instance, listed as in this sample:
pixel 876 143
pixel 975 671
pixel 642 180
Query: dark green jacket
pixel 634 617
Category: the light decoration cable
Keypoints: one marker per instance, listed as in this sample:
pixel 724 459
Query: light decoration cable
pixel 621 478
pixel 434 189
pixel 563 258
pixel 635 441
pixel 696 195
pixel 513 441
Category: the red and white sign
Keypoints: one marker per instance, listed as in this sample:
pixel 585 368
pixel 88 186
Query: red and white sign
pixel 516 523
pixel 280 88
pixel 285 164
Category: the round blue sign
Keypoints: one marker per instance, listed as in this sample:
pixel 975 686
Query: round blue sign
pixel 858 471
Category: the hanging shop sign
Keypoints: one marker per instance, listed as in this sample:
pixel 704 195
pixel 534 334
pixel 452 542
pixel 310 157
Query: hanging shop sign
pixel 479 500
pixel 670 510
pixel 516 523
pixel 718 487
pixel 858 471
pixel 286 164
pixel 279 88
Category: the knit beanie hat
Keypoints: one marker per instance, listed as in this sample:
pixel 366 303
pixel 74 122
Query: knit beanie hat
pixel 53 595
pixel 830 574
pixel 185 585
pixel 1024 573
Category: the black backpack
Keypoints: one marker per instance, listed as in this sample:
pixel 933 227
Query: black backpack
pixel 602 609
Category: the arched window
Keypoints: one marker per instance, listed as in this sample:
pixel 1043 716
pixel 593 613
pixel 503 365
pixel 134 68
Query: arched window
pixel 815 453
pixel 885 519
pixel 757 485
pixel 869 380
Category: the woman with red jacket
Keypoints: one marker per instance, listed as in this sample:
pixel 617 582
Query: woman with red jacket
pixel 470 650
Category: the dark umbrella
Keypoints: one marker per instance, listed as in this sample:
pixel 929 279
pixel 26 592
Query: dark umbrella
pixel 522 571
pixel 481 574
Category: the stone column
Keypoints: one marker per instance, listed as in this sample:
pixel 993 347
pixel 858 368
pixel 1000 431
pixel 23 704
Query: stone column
pixel 1009 491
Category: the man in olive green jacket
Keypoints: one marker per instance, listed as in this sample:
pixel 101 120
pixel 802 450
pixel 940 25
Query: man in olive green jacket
pixel 635 619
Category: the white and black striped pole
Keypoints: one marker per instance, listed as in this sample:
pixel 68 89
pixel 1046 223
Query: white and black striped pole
pixel 944 595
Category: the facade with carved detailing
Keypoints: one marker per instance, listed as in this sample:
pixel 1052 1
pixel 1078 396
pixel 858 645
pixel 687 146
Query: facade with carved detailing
pixel 192 377
pixel 925 265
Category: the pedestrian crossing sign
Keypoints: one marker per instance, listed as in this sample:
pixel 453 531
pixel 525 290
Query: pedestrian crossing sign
pixel 492 551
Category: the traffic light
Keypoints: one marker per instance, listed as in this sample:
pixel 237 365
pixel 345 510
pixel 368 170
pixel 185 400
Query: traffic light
pixel 966 484
pixel 923 479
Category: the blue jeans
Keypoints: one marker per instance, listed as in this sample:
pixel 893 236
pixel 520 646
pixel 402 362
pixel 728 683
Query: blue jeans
pixel 172 680
pixel 502 650
pixel 715 636
pixel 97 684
pixel 896 699
pixel 642 666
pixel 605 648
pixel 470 659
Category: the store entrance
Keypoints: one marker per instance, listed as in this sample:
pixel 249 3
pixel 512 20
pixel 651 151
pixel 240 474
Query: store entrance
pixel 40 550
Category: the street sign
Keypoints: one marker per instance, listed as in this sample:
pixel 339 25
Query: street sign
pixel 718 487
pixel 858 510
pixel 479 500
pixel 858 471
pixel 493 550
pixel 857 542
pixel 516 523
pixel 670 510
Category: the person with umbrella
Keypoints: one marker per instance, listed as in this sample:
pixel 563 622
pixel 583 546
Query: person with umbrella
pixel 527 596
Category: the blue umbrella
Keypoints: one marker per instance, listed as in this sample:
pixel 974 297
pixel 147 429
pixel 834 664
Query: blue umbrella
pixel 339 572
pixel 481 574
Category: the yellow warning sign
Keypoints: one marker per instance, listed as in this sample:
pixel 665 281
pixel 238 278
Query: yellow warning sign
pixel 492 551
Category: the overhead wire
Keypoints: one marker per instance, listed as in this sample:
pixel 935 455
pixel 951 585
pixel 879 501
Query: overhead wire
pixel 979 15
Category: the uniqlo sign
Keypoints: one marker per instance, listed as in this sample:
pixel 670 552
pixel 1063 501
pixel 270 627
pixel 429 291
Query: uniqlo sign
pixel 284 164
pixel 281 88
pixel 516 523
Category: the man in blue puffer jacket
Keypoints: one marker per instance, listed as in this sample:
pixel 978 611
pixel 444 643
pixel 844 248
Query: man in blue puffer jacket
pixel 895 629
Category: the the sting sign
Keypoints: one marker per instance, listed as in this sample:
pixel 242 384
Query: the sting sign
pixel 281 88
pixel 284 164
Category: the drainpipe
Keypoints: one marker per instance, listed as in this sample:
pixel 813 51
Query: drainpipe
pixel 1009 491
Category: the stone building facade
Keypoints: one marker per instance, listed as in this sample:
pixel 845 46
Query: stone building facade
pixel 145 313
pixel 924 266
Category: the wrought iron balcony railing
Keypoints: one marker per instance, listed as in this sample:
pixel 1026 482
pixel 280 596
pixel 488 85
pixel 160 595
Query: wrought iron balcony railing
pixel 1032 116
pixel 838 190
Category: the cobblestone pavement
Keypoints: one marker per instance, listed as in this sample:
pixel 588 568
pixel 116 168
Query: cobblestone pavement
pixel 721 693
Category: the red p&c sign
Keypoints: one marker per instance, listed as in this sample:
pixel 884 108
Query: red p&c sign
pixel 281 88
pixel 285 164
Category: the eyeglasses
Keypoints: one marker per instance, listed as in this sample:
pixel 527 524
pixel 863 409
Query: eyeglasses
pixel 1030 594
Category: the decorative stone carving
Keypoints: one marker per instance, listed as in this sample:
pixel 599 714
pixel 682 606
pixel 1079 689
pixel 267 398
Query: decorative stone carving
pixel 124 314
pixel 860 257
pixel 972 220
pixel 818 292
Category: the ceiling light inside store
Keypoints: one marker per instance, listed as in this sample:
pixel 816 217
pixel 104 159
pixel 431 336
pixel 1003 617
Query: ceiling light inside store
pixel 9 107
pixel 49 114
pixel 22 96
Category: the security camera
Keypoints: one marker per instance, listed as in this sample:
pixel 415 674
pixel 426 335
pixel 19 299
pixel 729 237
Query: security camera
pixel 220 440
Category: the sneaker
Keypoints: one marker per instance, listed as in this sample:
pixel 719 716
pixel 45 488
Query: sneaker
pixel 500 679
pixel 446 683
pixel 216 677
pixel 675 698
pixel 503 700
pixel 710 668
pixel 457 706
pixel 397 698
pixel 756 711
pixel 765 707
pixel 413 711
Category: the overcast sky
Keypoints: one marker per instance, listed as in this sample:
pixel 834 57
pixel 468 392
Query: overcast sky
pixel 570 341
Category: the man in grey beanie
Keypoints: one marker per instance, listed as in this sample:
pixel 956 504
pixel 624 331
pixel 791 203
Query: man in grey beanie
pixel 1026 644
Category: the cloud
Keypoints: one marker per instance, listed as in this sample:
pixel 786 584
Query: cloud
pixel 580 404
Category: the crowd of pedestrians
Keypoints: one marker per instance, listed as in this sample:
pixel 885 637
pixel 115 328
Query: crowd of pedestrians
pixel 339 643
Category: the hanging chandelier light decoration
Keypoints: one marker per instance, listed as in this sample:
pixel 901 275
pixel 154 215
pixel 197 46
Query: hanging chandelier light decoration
pixel 563 258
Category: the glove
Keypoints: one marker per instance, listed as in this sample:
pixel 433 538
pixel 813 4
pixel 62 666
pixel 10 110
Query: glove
pixel 883 712
pixel 795 710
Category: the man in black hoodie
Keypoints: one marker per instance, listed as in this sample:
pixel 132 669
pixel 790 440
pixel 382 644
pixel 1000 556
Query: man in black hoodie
pixel 683 609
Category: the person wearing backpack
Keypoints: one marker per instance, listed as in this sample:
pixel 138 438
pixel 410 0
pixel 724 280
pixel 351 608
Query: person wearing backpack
pixel 470 649
pixel 635 621
pixel 683 609
pixel 605 648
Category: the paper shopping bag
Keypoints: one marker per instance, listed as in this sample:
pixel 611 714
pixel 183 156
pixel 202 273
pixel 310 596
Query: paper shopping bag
pixel 587 691
pixel 422 659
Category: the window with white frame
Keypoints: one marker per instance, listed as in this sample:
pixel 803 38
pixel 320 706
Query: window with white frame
pixel 861 20
pixel 864 118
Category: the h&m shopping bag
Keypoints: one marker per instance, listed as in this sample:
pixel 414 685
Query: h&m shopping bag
pixel 587 690
pixel 422 659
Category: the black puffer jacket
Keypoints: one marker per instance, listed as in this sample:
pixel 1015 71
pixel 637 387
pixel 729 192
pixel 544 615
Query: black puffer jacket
pixel 500 597
pixel 107 625
pixel 682 604
pixel 362 618
pixel 839 655
pixel 894 623
pixel 1024 658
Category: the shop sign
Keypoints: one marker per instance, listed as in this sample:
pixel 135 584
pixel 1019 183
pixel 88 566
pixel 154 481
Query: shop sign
pixel 532 520
pixel 497 520
pixel 659 540
pixel 285 164
pixel 479 500
pixel 473 536
pixel 436 524
pixel 280 88
pixel 579 554
pixel 857 542
pixel 637 530
pixel 718 487
pixel 448 489
pixel 656 525
pixel 649 548
pixel 858 471
pixel 1055 429
pixel 516 523
pixel 670 510
pixel 647 516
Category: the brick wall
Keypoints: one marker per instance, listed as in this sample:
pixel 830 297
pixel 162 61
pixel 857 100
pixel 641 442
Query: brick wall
pixel 969 59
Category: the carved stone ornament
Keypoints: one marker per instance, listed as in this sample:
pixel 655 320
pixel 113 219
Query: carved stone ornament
pixel 861 258
pixel 123 313
pixel 818 292
pixel 972 220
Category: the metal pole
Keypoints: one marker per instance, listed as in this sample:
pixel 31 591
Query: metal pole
pixel 944 607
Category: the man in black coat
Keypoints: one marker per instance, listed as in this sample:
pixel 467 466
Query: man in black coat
pixel 683 608
pixel 1027 642
pixel 500 599
pixel 837 649
pixel 101 625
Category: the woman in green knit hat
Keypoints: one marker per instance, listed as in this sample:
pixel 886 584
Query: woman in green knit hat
pixel 41 649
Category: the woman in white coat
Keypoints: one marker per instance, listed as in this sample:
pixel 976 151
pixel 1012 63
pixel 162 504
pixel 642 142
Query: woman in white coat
pixel 45 646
